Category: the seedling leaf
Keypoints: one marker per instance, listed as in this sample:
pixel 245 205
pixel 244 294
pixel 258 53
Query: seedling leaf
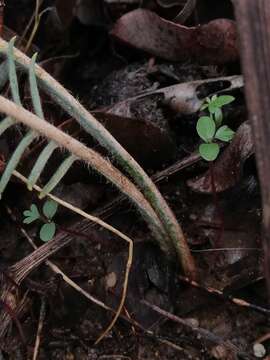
pixel 224 100
pixel 47 231
pixel 50 208
pixel 31 215
pixel 218 117
pixel 206 128
pixel 28 220
pixel 224 133
pixel 219 102
pixel 209 152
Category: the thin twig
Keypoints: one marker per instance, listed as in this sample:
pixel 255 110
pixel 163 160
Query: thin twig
pixel 220 294
pixel 205 334
pixel 29 24
pixel 111 229
pixel 40 327
pixel 98 302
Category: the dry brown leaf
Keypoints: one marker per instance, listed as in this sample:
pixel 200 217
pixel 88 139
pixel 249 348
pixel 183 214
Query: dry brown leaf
pixel 214 42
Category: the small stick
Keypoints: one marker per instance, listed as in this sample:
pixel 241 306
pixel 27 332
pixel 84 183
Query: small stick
pixel 40 327
pixel 96 301
pixel 205 334
pixel 221 294
pixel 106 226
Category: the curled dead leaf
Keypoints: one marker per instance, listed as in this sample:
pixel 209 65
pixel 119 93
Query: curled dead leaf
pixel 215 42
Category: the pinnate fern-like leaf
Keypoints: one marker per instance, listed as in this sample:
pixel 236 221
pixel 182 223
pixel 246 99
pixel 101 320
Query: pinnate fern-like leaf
pixel 31 135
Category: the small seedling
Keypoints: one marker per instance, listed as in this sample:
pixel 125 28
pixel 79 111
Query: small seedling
pixel 47 230
pixel 210 127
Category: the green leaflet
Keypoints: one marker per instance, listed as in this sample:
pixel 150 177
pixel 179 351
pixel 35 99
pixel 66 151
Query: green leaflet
pixel 206 128
pixel 58 175
pixel 34 88
pixel 31 215
pixel 3 74
pixel 15 158
pixel 49 208
pixel 209 152
pixel 40 164
pixel 29 137
pixel 12 73
pixel 5 124
pixel 49 149
pixel 47 231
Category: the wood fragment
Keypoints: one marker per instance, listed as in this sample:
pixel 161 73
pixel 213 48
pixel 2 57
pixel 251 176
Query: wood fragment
pixel 253 21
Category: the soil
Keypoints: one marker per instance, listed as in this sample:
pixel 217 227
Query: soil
pixel 223 233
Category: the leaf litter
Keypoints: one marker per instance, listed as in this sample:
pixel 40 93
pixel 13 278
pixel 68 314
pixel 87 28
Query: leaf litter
pixel 151 106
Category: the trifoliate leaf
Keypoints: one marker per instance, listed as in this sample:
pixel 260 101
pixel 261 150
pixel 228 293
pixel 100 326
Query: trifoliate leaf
pixel 206 128
pixel 224 133
pixel 209 152
pixel 50 208
pixel 31 215
pixel 47 231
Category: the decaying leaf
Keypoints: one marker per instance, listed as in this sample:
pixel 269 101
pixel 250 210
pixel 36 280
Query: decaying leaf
pixel 185 98
pixel 214 42
pixel 145 141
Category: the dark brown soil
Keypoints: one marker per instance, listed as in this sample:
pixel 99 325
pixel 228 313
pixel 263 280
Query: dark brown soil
pixel 102 74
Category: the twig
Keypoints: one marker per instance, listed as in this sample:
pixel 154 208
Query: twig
pixel 40 327
pixel 36 25
pixel 220 294
pixel 58 271
pixel 111 229
pixel 94 300
pixel 205 334
pixel 29 24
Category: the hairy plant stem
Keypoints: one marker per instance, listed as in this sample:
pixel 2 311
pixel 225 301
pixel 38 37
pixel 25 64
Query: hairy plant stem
pixel 92 158
pixel 62 97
